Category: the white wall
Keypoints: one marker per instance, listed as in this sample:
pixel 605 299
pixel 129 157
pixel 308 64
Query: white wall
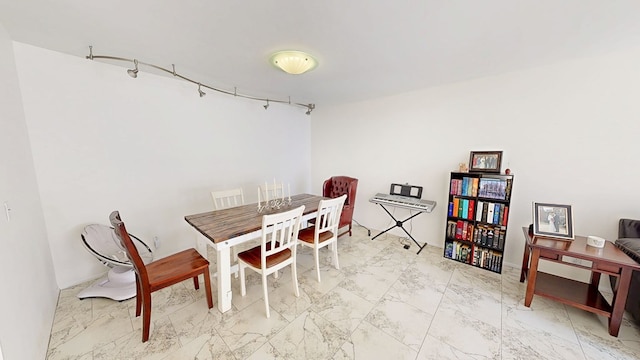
pixel 29 291
pixel 569 133
pixel 149 147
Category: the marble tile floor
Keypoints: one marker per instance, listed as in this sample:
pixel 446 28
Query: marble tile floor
pixel 385 302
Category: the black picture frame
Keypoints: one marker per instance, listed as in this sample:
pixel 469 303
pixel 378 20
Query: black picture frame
pixel 485 161
pixel 553 220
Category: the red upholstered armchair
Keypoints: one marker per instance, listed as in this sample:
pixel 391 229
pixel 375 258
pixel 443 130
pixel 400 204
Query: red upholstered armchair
pixel 337 186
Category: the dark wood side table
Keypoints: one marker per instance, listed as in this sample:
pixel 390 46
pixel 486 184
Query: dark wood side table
pixel 609 261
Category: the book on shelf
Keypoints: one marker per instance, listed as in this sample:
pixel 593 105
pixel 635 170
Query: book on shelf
pixel 465 208
pixel 505 215
pixel 492 188
pixel 458 229
pixel 490 209
pixel 496 214
pixel 472 209
pixel 496 237
pixel 456 206
pixel 474 187
pixel 485 210
pixel 448 249
pixel 501 239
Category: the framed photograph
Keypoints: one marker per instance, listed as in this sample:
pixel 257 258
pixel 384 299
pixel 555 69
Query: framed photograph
pixel 485 161
pixel 553 220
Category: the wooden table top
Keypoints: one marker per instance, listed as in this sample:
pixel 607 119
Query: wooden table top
pixel 222 225
pixel 578 248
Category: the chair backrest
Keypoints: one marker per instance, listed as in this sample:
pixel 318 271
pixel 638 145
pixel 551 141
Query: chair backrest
pixel 227 198
pixel 280 232
pixel 328 218
pixel 339 185
pixel 272 191
pixel 130 249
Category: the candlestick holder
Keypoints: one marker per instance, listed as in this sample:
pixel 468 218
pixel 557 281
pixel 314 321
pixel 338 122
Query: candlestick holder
pixel 274 204
pixel 279 201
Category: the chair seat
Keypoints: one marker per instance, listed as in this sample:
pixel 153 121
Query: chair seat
pixel 175 268
pixel 253 257
pixel 307 234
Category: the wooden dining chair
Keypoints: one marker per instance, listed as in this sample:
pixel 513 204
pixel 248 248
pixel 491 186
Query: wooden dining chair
pixel 277 250
pixel 223 199
pixel 324 231
pixel 161 273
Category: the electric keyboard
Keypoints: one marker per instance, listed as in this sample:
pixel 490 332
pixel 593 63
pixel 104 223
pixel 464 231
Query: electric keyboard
pixel 404 202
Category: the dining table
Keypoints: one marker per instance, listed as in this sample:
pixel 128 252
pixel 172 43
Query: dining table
pixel 226 228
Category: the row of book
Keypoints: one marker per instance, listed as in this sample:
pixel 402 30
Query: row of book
pixel 467 186
pixel 476 256
pixel 462 208
pixel 483 235
pixel 492 213
pixel 488 212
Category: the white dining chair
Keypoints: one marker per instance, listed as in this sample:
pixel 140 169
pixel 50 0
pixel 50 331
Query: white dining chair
pixel 223 199
pixel 272 191
pixel 276 251
pixel 227 198
pixel 324 232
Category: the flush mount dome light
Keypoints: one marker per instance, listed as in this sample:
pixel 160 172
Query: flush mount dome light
pixel 293 62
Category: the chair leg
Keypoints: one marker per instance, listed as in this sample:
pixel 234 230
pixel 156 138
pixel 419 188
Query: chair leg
pixel 334 246
pixel 266 294
pixel 138 297
pixel 207 287
pixel 316 255
pixel 275 274
pixel 146 316
pixel 243 287
pixel 234 254
pixel 294 278
pixel 196 283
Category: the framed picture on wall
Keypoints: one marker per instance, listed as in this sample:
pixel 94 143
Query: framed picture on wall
pixel 553 220
pixel 485 161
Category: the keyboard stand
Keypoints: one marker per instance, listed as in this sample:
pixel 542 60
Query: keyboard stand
pixel 399 224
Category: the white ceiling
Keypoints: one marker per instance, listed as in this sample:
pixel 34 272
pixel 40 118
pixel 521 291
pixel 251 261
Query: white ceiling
pixel 365 48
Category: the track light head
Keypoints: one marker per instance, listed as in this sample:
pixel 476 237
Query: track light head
pixel 202 93
pixel 267 105
pixel 133 72
pixel 310 108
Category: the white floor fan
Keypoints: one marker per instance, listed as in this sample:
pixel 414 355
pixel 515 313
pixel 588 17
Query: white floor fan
pixel 120 282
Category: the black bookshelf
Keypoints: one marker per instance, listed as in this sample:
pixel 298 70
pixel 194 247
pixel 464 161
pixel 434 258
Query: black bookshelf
pixel 477 219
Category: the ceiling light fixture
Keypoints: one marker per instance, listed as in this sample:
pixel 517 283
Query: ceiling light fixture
pixel 293 62
pixel 134 73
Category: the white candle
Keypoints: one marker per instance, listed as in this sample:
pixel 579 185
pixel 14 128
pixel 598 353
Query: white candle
pixel 259 197
pixel 266 191
pixel 289 190
pixel 282 185
pixel 275 191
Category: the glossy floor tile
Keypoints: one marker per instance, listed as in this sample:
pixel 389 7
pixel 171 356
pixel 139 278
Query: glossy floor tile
pixel 384 302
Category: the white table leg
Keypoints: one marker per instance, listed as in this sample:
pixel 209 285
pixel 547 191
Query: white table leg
pixel 223 266
pixel 201 245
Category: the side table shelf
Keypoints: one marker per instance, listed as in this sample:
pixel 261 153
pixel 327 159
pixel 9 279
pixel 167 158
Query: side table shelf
pixel 585 296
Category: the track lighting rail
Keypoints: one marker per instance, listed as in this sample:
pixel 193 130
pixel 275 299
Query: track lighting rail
pixel 134 73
